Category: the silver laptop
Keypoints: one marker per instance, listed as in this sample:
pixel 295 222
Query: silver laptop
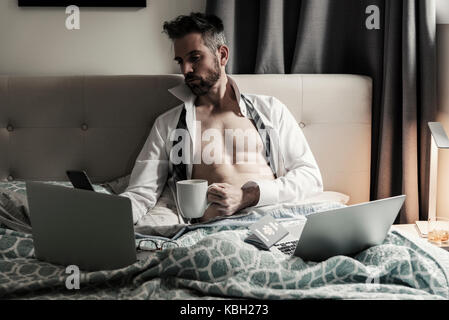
pixel 91 230
pixel 342 231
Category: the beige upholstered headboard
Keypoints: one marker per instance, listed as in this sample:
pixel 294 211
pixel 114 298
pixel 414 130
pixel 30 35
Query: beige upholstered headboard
pixel 334 112
pixel 99 123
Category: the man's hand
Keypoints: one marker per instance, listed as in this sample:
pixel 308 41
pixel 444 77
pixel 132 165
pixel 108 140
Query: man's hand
pixel 228 199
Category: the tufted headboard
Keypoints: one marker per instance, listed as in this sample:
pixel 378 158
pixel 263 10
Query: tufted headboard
pixel 99 123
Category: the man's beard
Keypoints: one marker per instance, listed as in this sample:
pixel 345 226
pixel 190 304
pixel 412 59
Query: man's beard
pixel 204 85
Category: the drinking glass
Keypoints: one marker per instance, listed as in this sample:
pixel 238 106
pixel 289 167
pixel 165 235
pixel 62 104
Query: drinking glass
pixel 438 230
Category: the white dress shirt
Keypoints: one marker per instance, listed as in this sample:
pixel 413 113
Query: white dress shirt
pixel 297 172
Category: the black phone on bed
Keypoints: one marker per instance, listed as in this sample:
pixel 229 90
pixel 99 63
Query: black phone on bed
pixel 79 180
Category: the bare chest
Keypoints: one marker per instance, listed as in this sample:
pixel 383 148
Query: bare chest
pixel 227 138
pixel 224 120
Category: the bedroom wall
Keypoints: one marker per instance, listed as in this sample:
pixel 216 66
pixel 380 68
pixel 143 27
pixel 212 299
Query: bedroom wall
pixel 443 103
pixel 442 11
pixel 110 40
pixel 443 117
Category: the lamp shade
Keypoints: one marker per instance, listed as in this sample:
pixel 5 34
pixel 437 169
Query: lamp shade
pixel 439 135
pixel 439 141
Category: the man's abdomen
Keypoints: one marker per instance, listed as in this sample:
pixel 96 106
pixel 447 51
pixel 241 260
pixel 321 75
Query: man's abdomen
pixel 234 174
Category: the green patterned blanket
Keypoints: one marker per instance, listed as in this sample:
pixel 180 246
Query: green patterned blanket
pixel 214 262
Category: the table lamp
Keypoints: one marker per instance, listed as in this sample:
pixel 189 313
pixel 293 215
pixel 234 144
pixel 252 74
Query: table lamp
pixel 439 140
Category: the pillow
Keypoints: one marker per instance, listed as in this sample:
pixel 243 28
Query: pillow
pixel 118 185
pixel 164 212
pixel 20 186
pixel 14 212
pixel 13 186
pixel 329 196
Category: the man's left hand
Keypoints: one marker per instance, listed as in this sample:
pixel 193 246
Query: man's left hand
pixel 230 198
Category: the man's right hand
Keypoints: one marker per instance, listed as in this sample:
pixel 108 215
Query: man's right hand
pixel 211 212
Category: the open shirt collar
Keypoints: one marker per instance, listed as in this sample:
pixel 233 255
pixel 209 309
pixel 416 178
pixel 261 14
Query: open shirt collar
pixel 183 93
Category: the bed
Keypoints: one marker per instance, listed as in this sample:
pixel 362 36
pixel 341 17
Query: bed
pixel 99 124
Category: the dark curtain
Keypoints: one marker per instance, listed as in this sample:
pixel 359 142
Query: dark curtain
pixel 330 36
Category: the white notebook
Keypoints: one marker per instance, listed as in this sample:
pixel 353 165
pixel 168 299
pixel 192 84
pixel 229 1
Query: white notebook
pixel 422 228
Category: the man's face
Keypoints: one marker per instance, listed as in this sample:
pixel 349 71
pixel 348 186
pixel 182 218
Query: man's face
pixel 200 67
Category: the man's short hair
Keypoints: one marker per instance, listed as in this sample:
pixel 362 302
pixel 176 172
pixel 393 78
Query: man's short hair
pixel 208 25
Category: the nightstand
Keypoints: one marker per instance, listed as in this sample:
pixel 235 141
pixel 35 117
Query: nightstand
pixel 412 230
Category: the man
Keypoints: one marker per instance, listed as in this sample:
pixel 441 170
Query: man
pixel 266 161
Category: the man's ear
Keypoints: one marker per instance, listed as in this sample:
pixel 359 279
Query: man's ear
pixel 223 54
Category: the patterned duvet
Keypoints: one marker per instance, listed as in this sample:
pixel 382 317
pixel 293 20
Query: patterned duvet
pixel 214 262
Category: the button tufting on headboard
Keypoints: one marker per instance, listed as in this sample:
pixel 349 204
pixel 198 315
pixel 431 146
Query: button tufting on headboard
pixel 84 127
pixel 10 128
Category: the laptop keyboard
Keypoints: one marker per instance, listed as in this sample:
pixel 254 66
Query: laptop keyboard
pixel 288 247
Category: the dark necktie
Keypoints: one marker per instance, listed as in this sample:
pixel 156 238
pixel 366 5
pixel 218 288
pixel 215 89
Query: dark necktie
pixel 180 170
pixel 260 126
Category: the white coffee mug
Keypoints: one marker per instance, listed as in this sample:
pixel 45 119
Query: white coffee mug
pixel 192 197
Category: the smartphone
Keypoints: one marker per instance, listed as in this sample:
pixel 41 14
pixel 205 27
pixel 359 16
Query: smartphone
pixel 80 180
